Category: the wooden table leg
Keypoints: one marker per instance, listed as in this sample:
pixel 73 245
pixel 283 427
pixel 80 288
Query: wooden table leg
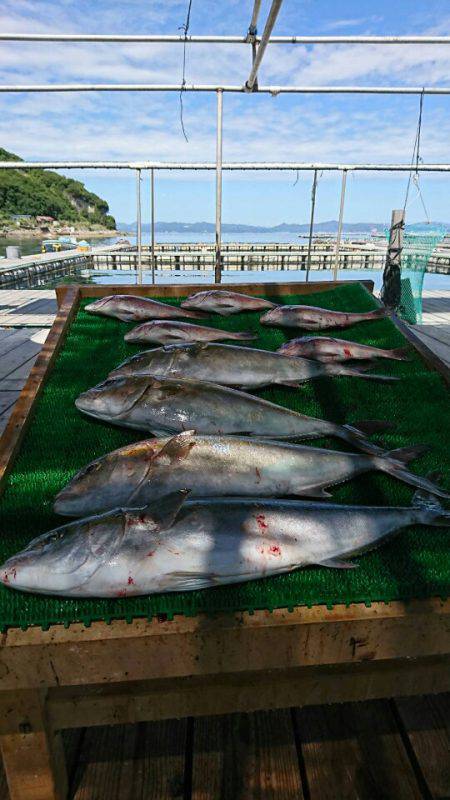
pixel 33 754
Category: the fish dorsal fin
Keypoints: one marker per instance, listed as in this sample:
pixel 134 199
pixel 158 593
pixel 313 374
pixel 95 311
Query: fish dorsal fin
pixel 162 513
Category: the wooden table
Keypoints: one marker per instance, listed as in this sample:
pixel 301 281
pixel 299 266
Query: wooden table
pixel 107 674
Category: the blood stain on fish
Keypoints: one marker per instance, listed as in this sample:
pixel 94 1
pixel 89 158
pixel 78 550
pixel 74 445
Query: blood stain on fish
pixel 130 581
pixel 262 524
pixel 258 475
pixel 121 593
pixel 274 550
pixel 151 553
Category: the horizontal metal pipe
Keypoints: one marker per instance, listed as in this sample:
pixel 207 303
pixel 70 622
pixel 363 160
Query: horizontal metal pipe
pixel 243 166
pixel 160 38
pixel 170 87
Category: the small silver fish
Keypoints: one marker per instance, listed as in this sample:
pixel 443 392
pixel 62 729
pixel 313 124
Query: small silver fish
pixel 220 301
pixel 165 407
pixel 217 466
pixel 171 332
pixel 174 545
pixel 326 349
pixel 315 319
pixel 245 367
pixel 130 308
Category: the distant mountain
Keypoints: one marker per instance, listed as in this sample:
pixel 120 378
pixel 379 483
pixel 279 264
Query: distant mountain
pixel 329 226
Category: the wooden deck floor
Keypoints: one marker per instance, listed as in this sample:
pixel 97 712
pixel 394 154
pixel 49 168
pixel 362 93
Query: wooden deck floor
pixel 378 750
pixel 360 751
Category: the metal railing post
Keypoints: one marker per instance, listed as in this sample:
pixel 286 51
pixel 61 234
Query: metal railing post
pixel 339 231
pixel 311 224
pixel 152 193
pixel 139 226
pixel 218 259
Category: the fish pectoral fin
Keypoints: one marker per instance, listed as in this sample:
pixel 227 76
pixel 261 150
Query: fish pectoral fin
pixel 322 494
pixel 193 580
pixel 337 563
pixel 177 448
pixel 165 510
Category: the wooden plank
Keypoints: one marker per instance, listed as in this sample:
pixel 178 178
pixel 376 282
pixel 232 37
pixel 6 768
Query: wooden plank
pixel 33 755
pixel 131 761
pixel 245 642
pixel 204 695
pixel 426 722
pixel 19 420
pixel 177 290
pixel 15 358
pixel 245 757
pixel 354 751
pixel 15 340
pixel 7 399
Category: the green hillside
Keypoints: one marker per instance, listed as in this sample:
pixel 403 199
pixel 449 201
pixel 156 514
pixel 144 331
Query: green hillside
pixel 41 192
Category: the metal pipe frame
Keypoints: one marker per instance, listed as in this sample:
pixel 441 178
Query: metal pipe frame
pixel 152 195
pixel 174 87
pixel 339 230
pixel 218 254
pixel 253 21
pixel 209 39
pixel 311 225
pixel 251 82
pixel 238 166
pixel 139 225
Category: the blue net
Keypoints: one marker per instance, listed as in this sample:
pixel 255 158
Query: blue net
pixel 416 253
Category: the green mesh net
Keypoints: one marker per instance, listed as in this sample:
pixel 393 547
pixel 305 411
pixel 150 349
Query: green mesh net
pixel 416 253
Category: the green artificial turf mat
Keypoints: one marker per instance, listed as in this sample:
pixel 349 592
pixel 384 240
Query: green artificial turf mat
pixel 60 440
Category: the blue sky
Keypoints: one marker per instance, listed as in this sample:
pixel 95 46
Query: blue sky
pixel 284 128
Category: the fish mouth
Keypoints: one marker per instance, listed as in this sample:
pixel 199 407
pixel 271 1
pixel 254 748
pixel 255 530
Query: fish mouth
pixel 92 308
pixel 131 336
pixel 267 316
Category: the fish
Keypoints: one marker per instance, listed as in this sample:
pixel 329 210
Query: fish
pixel 178 544
pixel 220 301
pixel 316 319
pixel 326 349
pixel 230 365
pixel 129 308
pixel 165 407
pixel 217 466
pixel 168 332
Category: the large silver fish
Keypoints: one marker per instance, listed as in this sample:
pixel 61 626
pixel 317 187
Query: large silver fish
pixel 315 319
pixel 217 466
pixel 173 406
pixel 230 365
pixel 326 349
pixel 220 301
pixel 173 545
pixel 129 308
pixel 161 331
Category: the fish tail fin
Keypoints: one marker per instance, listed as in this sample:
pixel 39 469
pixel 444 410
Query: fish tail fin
pixel 356 434
pixel 379 313
pixel 393 462
pixel 244 336
pixel 435 513
pixel 400 354
pixel 341 369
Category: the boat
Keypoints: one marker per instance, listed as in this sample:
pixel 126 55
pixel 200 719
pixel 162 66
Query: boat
pixel 61 243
